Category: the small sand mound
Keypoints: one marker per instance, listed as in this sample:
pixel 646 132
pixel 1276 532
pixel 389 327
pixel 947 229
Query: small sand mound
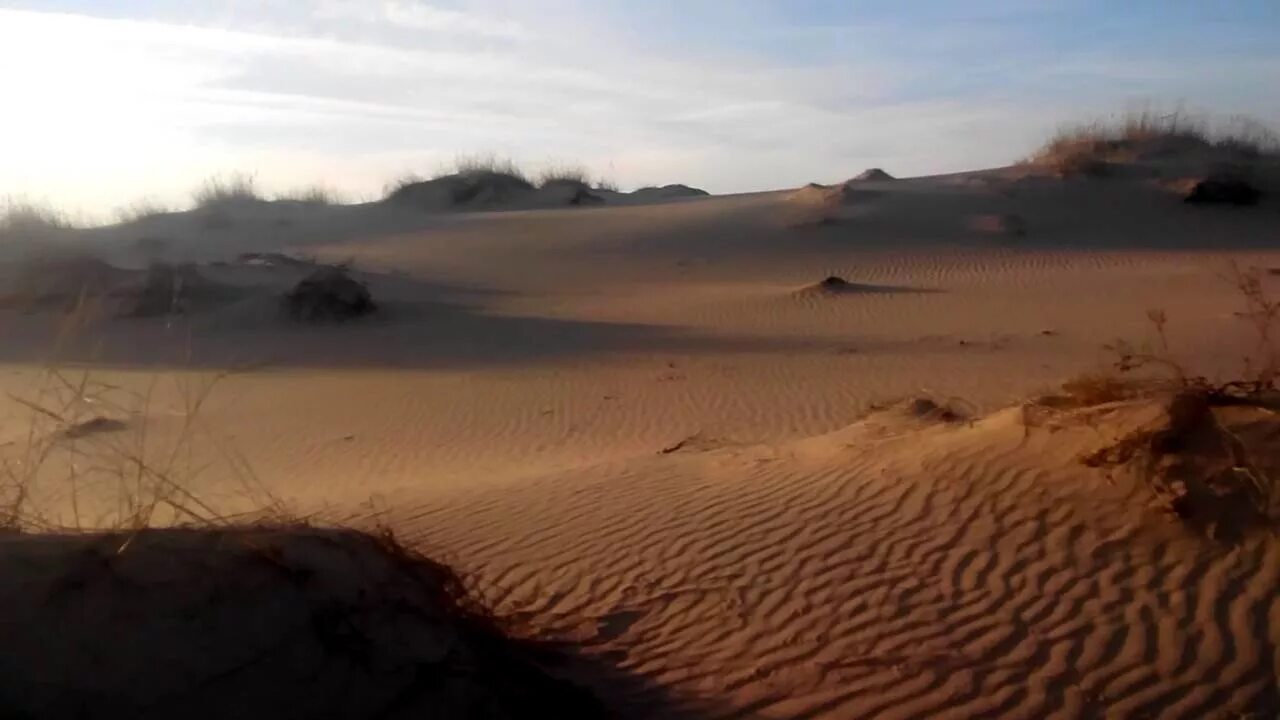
pixel 925 408
pixel 1006 224
pixel 669 191
pixel 872 175
pixel 329 294
pixel 813 193
pixel 831 286
pixel 467 190
pixel 94 426
pixel 830 196
pixel 256 623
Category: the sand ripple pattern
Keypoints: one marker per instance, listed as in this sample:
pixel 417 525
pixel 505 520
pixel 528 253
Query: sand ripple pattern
pixel 857 575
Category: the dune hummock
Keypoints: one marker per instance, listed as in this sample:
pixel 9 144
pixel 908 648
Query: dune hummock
pixel 873 175
pixel 265 622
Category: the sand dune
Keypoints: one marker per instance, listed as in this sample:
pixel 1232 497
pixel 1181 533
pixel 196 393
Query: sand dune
pixel 656 431
pixel 898 567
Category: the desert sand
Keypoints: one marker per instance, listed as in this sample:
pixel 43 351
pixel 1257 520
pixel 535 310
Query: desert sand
pixel 650 429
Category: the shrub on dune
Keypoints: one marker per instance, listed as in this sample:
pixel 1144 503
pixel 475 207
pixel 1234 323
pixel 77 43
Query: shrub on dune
pixel 1096 149
pixel 312 195
pixel 221 190
pixel 329 294
pixel 486 165
pixel 24 220
pixel 564 174
pixel 1210 456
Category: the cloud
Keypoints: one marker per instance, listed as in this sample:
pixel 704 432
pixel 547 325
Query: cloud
pixel 414 15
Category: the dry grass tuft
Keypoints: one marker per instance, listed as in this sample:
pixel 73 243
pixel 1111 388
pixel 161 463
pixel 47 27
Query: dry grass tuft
pixel 482 164
pixel 312 195
pixel 25 220
pixel 1099 388
pixel 140 210
pixel 408 179
pixel 221 190
pixel 89 457
pixel 1094 149
pixel 562 173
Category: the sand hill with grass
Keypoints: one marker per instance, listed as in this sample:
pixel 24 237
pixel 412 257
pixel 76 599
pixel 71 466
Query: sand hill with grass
pixel 991 444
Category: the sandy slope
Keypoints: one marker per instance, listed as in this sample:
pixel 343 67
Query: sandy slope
pixel 791 557
pixel 894 568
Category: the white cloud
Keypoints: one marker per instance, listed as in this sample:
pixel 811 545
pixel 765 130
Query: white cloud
pixel 415 15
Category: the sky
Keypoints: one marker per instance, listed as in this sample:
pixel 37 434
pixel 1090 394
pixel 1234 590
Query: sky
pixel 109 103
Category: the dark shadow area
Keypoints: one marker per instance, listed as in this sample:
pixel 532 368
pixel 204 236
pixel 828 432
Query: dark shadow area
pixel 417 325
pixel 279 622
pixel 628 695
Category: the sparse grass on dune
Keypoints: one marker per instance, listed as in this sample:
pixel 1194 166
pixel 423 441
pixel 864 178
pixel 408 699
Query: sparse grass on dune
pixel 573 174
pixel 139 210
pixel 88 458
pixel 482 164
pixel 475 172
pixel 222 189
pixel 564 173
pixel 24 220
pixel 401 182
pixel 1090 149
pixel 312 195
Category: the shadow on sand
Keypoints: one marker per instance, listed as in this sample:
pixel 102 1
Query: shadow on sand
pixel 279 622
pixel 418 326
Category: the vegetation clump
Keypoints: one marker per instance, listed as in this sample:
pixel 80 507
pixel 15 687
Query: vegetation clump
pixel 1211 456
pixel 328 294
pixel 1097 149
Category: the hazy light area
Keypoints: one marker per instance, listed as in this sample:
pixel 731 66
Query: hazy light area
pixel 106 103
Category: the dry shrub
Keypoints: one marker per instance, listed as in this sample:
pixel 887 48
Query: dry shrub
pixel 564 173
pixel 221 190
pixel 1212 457
pixel 312 195
pixel 89 459
pixel 25 220
pixel 1095 148
pixel 1100 388
pixel 487 164
pixel 329 294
